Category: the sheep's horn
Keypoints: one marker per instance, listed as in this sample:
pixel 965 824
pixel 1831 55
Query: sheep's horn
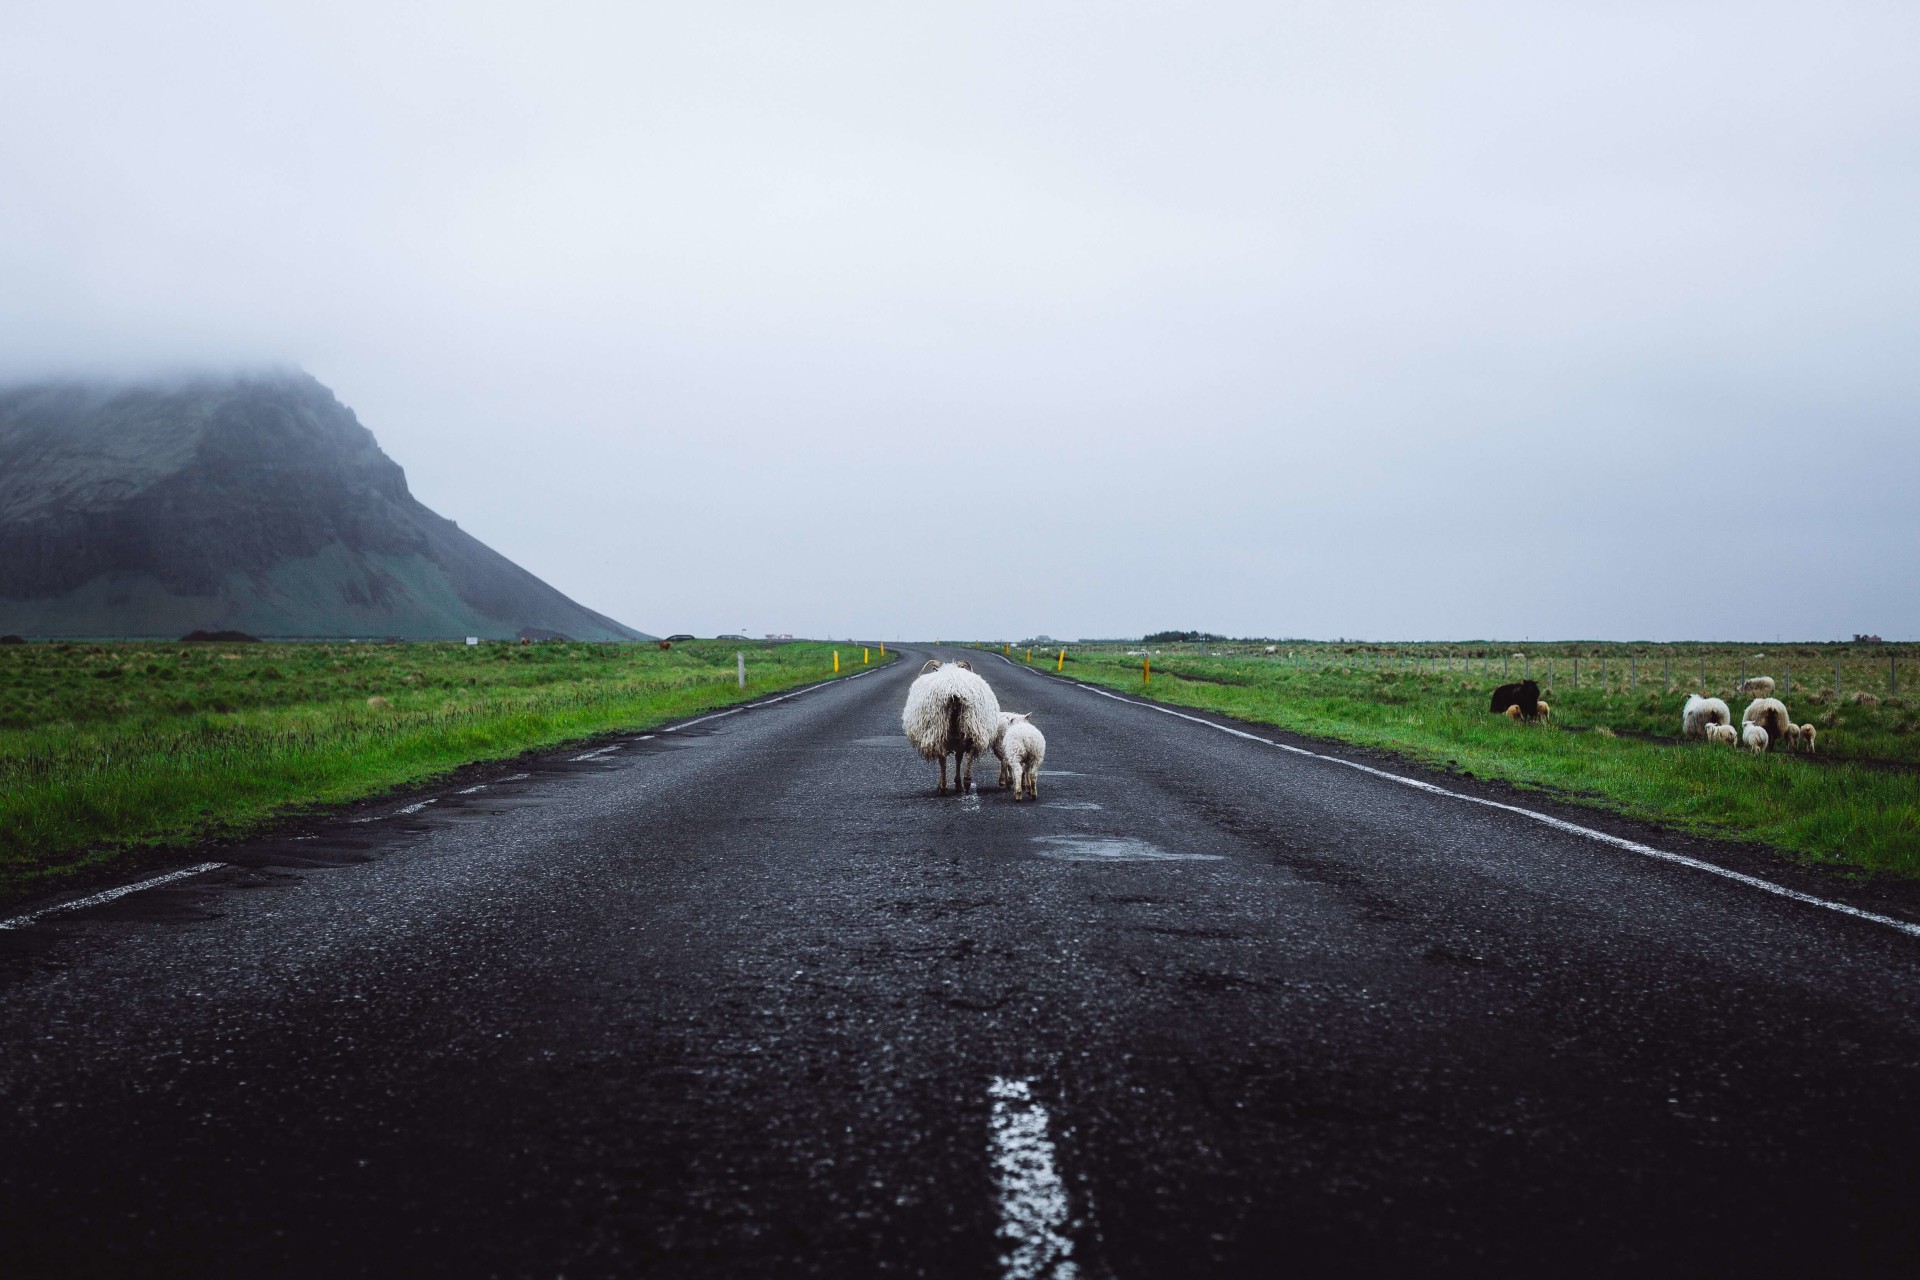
pixel 933 664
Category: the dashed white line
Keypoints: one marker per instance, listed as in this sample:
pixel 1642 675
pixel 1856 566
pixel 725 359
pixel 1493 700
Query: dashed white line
pixel 108 895
pixel 416 806
pixel 1546 819
pixel 1032 1200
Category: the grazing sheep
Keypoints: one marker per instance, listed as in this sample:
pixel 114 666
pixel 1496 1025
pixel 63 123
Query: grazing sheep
pixel 1754 738
pixel 1790 737
pixel 1025 747
pixel 1701 712
pixel 1524 694
pixel 1757 686
pixel 951 712
pixel 1770 714
pixel 1723 733
pixel 1807 735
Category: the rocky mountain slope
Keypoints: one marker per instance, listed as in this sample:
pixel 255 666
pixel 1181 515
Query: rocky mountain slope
pixel 250 502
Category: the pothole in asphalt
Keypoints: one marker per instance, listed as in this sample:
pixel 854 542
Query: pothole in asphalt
pixel 1112 849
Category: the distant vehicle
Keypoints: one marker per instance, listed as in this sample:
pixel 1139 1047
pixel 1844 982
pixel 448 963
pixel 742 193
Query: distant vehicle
pixel 677 639
pixel 730 636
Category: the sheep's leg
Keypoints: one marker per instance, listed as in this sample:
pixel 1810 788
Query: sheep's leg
pixel 1033 783
pixel 966 784
pixel 943 774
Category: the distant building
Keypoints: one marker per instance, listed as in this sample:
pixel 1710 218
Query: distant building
pixel 1860 639
pixel 780 635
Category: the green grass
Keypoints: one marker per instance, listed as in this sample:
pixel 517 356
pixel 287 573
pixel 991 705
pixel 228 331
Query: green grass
pixel 1839 809
pixel 112 754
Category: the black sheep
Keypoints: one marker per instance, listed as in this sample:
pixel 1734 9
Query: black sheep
pixel 1524 694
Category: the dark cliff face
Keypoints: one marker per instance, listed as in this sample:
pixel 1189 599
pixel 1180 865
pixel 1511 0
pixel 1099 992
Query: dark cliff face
pixel 207 488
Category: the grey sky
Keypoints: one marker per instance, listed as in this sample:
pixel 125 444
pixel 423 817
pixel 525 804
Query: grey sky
pixel 1399 321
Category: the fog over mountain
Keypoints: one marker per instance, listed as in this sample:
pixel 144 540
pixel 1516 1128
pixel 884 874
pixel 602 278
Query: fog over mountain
pixel 251 502
pixel 1390 321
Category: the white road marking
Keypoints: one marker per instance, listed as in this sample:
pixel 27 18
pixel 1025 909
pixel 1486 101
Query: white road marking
pixel 595 755
pixel 467 791
pixel 1032 1199
pixel 417 806
pixel 108 895
pixel 1547 819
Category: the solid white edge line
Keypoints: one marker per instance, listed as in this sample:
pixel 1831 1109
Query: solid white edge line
pixel 1547 819
pixel 108 895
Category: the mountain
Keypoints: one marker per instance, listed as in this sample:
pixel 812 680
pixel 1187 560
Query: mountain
pixel 254 503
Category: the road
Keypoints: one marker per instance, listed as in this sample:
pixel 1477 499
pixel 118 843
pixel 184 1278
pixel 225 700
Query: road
pixel 747 999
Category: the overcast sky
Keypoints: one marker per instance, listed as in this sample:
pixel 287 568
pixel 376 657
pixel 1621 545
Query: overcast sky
pixel 1391 320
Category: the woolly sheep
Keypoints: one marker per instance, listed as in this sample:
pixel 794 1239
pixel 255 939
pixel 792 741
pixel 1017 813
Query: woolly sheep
pixel 1754 738
pixel 951 712
pixel 999 745
pixel 1524 694
pixel 1025 747
pixel 1790 737
pixel 1723 733
pixel 1757 686
pixel 1770 714
pixel 1807 736
pixel 1701 712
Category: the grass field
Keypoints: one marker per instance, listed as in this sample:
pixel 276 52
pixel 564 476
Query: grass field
pixel 110 754
pixel 1614 739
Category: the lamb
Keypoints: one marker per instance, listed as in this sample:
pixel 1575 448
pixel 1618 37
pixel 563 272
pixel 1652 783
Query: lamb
pixel 1790 737
pixel 1701 712
pixel 1024 747
pixel 951 712
pixel 1723 733
pixel 1541 710
pixel 1770 714
pixel 1524 694
pixel 1807 735
pixel 1757 686
pixel 999 746
pixel 1754 738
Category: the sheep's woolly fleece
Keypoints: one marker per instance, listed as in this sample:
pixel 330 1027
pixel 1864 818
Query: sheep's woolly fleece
pixel 950 709
pixel 1025 747
pixel 1701 712
pixel 1770 714
pixel 1754 738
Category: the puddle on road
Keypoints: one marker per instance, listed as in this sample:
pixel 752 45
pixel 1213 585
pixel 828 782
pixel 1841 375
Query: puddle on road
pixel 1112 849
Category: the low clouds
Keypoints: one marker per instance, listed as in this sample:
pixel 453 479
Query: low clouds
pixel 1073 318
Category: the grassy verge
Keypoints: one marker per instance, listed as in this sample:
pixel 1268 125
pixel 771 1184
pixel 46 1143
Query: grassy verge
pixel 1833 810
pixel 109 752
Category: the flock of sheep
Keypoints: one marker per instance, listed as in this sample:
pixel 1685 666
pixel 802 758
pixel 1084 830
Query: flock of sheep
pixel 952 712
pixel 1763 725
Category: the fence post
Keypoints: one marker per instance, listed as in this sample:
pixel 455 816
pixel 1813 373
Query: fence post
pixel 1836 677
pixel 1576 671
pixel 1893 678
pixel 1550 673
pixel 1666 674
pixel 1786 677
pixel 741 659
pixel 1633 673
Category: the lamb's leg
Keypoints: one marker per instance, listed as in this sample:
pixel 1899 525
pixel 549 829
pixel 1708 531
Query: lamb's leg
pixel 943 774
pixel 967 759
pixel 1033 782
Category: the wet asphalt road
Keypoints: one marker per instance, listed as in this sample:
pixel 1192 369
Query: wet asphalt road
pixel 731 1002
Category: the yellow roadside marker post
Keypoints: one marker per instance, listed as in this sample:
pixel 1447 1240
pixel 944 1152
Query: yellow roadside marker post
pixel 836 662
pixel 1029 655
pixel 1062 664
pixel 863 655
pixel 1146 671
pixel 883 648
